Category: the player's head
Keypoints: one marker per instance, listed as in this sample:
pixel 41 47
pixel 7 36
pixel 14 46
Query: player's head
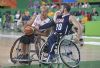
pixel 66 7
pixel 58 6
pixel 44 10
pixel 27 13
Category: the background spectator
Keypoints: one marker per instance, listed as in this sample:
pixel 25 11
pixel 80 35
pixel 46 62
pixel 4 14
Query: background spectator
pixel 7 20
pixel 86 5
pixel 26 17
pixel 85 19
pixel 17 18
pixel 94 12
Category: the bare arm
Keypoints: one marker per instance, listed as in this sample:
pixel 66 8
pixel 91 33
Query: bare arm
pixel 73 20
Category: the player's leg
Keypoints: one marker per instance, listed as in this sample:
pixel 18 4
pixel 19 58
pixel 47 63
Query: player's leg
pixel 51 40
pixel 25 41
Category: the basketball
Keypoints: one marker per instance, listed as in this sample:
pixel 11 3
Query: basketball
pixel 28 30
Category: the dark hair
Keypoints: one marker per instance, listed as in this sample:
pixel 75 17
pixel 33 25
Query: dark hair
pixel 59 16
pixel 67 7
pixel 58 4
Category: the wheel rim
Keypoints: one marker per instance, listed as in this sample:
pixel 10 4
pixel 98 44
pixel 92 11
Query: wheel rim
pixel 69 53
pixel 12 51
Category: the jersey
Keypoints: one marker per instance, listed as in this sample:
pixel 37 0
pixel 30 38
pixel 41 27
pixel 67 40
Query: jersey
pixel 63 24
pixel 39 22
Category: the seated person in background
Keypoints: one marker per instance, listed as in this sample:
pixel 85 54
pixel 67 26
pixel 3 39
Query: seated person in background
pixel 86 5
pixel 28 38
pixel 94 12
pixel 26 17
pixel 89 16
pixel 85 19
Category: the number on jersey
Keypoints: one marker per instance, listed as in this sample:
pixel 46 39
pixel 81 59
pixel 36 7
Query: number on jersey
pixel 59 26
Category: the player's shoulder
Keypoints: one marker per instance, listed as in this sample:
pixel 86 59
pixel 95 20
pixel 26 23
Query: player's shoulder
pixel 72 17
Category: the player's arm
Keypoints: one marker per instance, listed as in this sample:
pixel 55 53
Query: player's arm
pixel 74 21
pixel 45 33
pixel 47 25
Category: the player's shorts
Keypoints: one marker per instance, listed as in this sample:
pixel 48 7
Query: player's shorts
pixel 27 39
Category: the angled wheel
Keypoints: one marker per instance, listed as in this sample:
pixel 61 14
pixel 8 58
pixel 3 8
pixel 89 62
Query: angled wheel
pixel 14 50
pixel 38 43
pixel 69 53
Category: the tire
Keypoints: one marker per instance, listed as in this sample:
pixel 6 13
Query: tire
pixel 41 51
pixel 15 49
pixel 38 44
pixel 69 53
pixel 12 50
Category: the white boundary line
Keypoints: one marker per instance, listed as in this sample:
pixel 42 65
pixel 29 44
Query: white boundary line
pixel 92 37
pixel 93 43
pixel 18 35
pixel 10 36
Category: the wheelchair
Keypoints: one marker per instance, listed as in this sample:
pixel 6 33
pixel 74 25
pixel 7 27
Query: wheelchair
pixel 33 50
pixel 66 51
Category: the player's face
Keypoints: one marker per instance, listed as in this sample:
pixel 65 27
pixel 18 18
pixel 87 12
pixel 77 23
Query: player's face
pixel 64 10
pixel 44 13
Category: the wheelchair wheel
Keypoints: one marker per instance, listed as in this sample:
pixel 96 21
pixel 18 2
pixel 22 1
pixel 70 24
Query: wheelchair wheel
pixel 14 49
pixel 44 59
pixel 69 53
pixel 38 43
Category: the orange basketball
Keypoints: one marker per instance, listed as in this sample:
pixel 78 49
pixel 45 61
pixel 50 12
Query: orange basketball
pixel 28 30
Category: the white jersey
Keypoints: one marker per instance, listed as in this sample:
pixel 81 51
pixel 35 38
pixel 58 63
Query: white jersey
pixel 39 22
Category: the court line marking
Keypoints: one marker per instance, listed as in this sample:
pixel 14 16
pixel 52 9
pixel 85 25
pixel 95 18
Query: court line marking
pixel 18 35
pixel 93 43
pixel 10 36
pixel 91 37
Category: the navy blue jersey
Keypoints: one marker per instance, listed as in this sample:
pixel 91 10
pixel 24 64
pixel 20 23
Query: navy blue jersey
pixel 62 25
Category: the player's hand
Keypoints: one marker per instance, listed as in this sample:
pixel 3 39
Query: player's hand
pixel 76 38
pixel 36 27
